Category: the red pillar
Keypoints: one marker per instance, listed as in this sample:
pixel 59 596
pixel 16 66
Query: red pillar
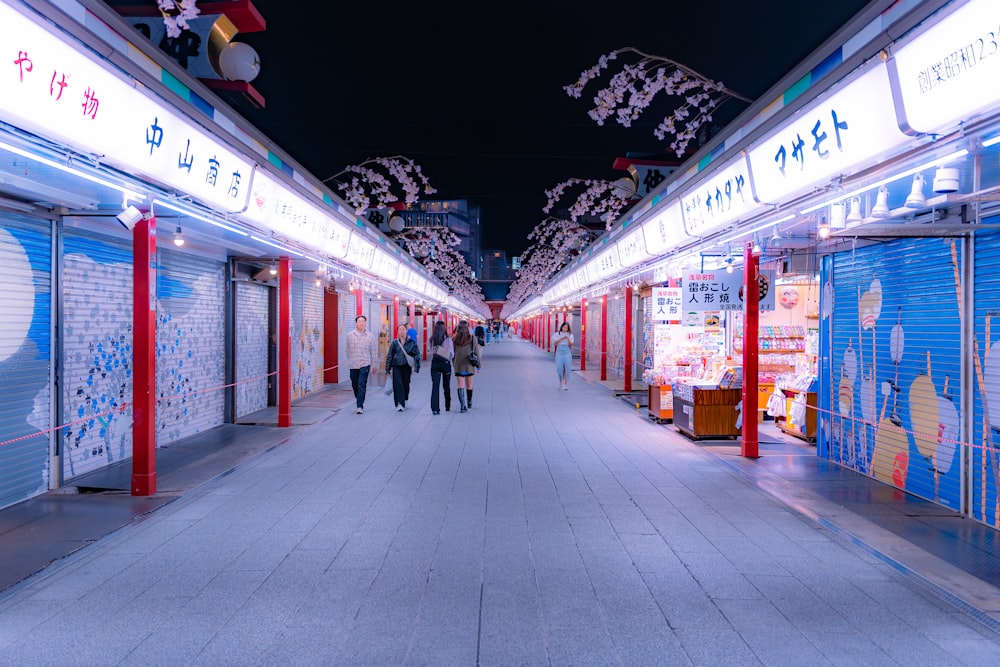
pixel 425 333
pixel 284 342
pixel 144 357
pixel 565 314
pixel 604 337
pixel 331 310
pixel 583 334
pixel 628 339
pixel 359 298
pixel 395 315
pixel 751 322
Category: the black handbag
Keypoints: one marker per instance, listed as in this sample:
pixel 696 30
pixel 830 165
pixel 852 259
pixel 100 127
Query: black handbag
pixel 474 358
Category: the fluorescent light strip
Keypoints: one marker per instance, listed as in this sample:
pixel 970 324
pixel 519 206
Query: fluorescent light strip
pixel 951 157
pixel 991 142
pixel 753 230
pixel 276 245
pixel 197 216
pixel 135 196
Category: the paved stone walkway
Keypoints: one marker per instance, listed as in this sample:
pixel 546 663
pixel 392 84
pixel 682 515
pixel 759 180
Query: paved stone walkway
pixel 543 527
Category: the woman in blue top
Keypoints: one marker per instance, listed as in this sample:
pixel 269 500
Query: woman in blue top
pixel 562 342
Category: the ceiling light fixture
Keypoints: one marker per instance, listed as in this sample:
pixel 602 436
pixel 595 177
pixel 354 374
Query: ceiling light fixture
pixel 178 237
pixel 273 269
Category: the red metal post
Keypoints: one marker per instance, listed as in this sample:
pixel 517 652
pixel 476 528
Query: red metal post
pixel 395 315
pixel 628 340
pixel 144 357
pixel 604 337
pixel 565 315
pixel 425 332
pixel 331 311
pixel 751 322
pixel 284 342
pixel 583 334
pixel 359 299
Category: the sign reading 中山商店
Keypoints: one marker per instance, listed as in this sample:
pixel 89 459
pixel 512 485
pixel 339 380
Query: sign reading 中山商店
pixel 668 304
pixel 57 91
pixel 294 217
pixel 854 126
pixel 950 72
pixel 724 198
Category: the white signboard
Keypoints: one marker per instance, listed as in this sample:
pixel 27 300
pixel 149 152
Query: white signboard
pixel 719 290
pixel 360 251
pixel 725 198
pixel 57 91
pixel 949 73
pixel 604 263
pixel 385 265
pixel 664 231
pixel 632 247
pixel 851 127
pixel 293 216
pixel 668 304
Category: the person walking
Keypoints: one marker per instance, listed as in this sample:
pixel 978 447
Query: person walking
pixel 361 356
pixel 480 335
pixel 442 352
pixel 465 345
pixel 562 343
pixel 402 360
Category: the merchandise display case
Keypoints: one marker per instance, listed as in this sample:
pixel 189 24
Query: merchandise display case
pixel 796 413
pixel 706 409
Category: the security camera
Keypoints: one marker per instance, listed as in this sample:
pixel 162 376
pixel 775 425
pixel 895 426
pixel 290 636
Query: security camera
pixel 129 217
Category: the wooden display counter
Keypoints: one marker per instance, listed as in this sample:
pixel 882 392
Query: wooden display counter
pixel 710 414
pixel 661 403
pixel 806 431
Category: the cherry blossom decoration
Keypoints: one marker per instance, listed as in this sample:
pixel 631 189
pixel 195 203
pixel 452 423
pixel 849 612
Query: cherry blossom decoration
pixel 176 14
pixel 556 241
pixel 436 248
pixel 604 199
pixel 631 89
pixel 374 180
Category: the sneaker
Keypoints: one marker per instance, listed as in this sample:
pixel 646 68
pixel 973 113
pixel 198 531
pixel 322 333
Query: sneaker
pixel 565 387
pixel 399 408
pixel 359 411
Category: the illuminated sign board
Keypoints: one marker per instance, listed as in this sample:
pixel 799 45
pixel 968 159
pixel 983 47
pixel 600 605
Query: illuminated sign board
pixel 854 126
pixel 724 198
pixel 664 231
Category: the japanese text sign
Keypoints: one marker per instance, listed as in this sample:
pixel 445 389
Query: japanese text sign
pixel 665 230
pixel 292 216
pixel 719 290
pixel 851 127
pixel 950 72
pixel 724 198
pixel 56 90
pixel 632 247
pixel 668 304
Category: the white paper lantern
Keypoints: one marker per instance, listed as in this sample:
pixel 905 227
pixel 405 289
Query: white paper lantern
pixel 239 62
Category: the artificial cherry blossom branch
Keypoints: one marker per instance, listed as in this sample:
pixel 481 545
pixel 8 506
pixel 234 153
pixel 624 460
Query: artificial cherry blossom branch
pixel 373 180
pixel 176 14
pixel 631 90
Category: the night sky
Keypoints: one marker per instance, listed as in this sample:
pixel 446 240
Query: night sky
pixel 473 91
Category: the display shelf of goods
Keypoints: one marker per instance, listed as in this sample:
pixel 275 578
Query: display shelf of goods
pixel 800 409
pixel 705 412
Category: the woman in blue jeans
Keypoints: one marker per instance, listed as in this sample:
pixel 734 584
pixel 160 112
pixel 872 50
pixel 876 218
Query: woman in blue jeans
pixel 562 343
pixel 442 351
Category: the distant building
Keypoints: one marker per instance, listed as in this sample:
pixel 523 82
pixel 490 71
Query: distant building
pixel 458 215
pixel 498 274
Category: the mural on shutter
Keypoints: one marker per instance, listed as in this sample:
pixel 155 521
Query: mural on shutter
pixel 347 307
pixel 307 337
pixel 648 329
pixel 594 334
pixel 25 358
pixel 984 432
pixel 616 337
pixel 190 345
pixel 97 352
pixel 251 347
pixel 894 378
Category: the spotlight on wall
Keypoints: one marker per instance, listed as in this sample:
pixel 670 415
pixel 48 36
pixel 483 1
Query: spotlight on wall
pixel 824 228
pixel 273 269
pixel 946 180
pixel 129 216
pixel 838 215
pixel 178 237
pixel 881 208
pixel 916 198
pixel 756 250
pixel 854 213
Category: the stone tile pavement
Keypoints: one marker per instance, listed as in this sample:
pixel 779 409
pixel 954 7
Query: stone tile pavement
pixel 543 527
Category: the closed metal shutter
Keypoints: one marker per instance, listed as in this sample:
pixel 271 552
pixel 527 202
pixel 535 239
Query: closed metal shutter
pixel 594 335
pixel 96 286
pixel 347 305
pixel 647 354
pixel 896 364
pixel 251 338
pixel 616 336
pixel 190 345
pixel 25 358
pixel 307 338
pixel 984 432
